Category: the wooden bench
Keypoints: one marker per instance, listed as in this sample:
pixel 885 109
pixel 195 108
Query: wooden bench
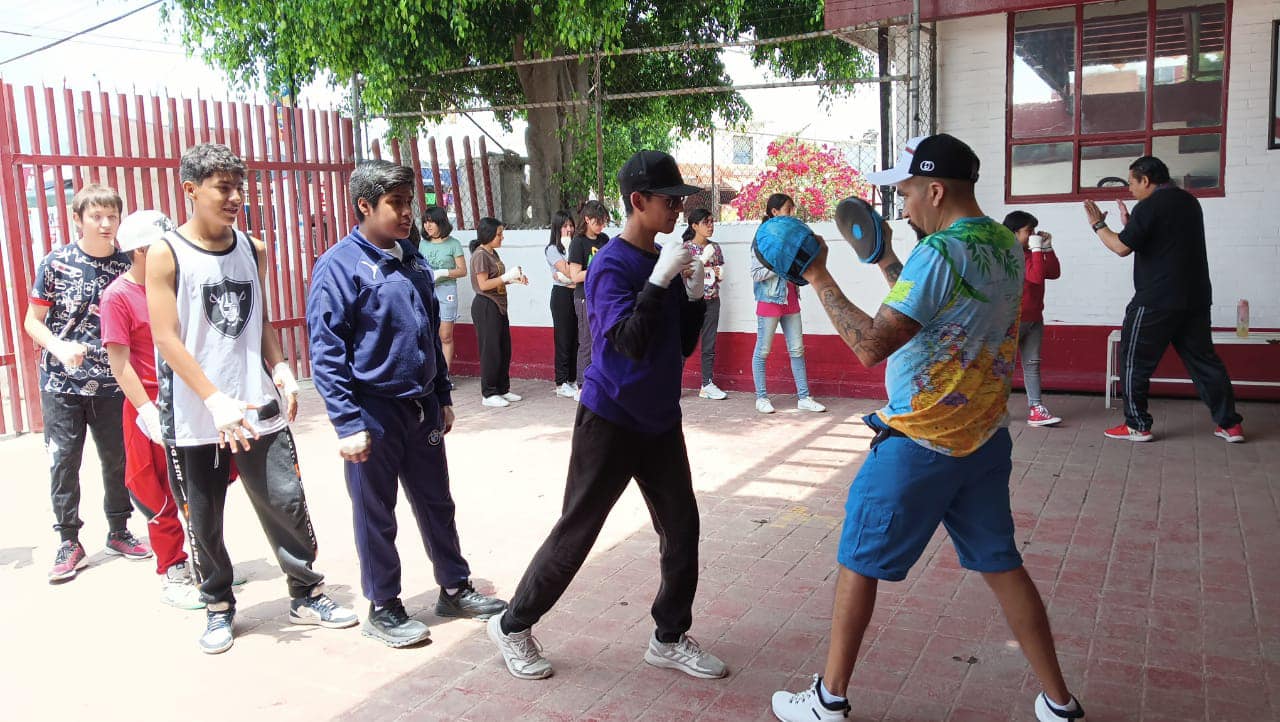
pixel 1220 338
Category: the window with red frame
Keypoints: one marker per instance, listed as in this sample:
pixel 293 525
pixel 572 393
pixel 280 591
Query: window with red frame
pixel 1091 87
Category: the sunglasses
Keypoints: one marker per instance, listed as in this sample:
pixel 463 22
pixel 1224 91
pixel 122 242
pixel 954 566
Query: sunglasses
pixel 674 203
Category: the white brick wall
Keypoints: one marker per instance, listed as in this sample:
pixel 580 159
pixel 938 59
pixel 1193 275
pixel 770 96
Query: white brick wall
pixel 1243 228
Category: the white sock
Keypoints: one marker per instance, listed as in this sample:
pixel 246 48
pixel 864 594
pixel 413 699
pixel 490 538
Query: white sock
pixel 827 697
pixel 1062 707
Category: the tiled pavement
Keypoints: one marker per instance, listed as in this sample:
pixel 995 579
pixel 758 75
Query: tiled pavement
pixel 1159 562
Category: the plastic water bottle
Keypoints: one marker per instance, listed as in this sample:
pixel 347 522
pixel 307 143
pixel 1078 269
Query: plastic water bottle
pixel 1242 319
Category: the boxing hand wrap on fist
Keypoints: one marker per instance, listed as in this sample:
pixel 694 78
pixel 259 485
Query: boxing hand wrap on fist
pixel 672 259
pixel 354 447
pixel 695 282
pixel 563 278
pixel 512 275
pixel 149 421
pixel 228 413
pixel 708 253
pixel 441 273
pixel 69 353
pixel 283 378
pixel 1040 242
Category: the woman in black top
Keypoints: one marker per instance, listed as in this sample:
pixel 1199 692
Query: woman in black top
pixel 591 238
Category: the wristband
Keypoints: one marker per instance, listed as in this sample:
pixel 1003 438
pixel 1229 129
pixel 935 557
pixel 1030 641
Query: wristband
pixel 1099 226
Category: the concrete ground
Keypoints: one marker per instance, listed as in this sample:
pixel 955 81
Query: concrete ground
pixel 1160 564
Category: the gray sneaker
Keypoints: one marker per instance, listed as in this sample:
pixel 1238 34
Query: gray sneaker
pixel 687 656
pixel 393 626
pixel 319 609
pixel 520 651
pixel 217 637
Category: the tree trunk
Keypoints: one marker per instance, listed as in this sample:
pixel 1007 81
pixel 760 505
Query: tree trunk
pixel 552 137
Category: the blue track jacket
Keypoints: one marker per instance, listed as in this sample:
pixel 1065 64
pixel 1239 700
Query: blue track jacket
pixel 374 323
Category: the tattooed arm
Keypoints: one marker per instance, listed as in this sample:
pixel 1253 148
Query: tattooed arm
pixel 872 340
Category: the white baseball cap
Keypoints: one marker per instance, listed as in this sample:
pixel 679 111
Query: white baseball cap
pixel 142 228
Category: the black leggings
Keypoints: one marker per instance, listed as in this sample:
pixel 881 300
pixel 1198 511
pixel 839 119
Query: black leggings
pixel 564 322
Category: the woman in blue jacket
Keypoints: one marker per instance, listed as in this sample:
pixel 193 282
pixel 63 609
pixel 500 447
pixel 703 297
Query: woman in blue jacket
pixel 778 304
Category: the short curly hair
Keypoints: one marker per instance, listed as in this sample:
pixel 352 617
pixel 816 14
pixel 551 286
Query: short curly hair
pixel 203 161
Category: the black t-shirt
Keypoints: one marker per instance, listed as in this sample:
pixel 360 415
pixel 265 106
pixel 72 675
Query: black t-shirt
pixel 1170 263
pixel 581 250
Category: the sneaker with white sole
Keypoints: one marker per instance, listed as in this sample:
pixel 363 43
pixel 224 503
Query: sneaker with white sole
pixel 393 626
pixel 179 588
pixel 1127 433
pixel 565 390
pixel 1233 434
pixel 807 706
pixel 124 544
pixel 713 392
pixel 1046 712
pixel 218 636
pixel 685 655
pixel 68 562
pixel 1040 415
pixel 495 401
pixel 520 651
pixel 808 404
pixel 512 397
pixel 318 609
pixel 763 405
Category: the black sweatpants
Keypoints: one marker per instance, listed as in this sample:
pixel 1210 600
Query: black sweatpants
pixel 67 417
pixel 493 334
pixel 269 474
pixel 604 459
pixel 1146 334
pixel 564 324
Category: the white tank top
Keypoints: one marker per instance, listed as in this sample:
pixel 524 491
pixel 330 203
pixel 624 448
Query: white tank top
pixel 220 322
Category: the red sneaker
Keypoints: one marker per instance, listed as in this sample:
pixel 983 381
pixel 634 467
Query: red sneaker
pixel 1125 433
pixel 69 561
pixel 1040 416
pixel 124 543
pixel 1233 434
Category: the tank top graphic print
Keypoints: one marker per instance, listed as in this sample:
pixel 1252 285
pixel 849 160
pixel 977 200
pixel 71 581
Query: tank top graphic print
pixel 220 320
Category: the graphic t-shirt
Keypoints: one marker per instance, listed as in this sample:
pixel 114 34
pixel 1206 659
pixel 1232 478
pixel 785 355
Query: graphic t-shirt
pixel 711 287
pixel 489 263
pixel 70 282
pixel 949 385
pixel 582 250
pixel 125 322
pixel 441 255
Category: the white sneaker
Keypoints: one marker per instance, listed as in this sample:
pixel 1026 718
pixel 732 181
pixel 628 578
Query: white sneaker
pixel 713 392
pixel 495 401
pixel 808 404
pixel 577 394
pixel 685 655
pixel 512 397
pixel 520 651
pixel 806 706
pixel 565 390
pixel 179 590
pixel 1045 712
pixel 764 406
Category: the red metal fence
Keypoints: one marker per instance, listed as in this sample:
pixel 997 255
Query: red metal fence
pixel 54 141
pixel 446 190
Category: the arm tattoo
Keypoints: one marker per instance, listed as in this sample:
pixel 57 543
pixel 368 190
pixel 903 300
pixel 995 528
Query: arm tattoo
pixel 871 339
pixel 892 272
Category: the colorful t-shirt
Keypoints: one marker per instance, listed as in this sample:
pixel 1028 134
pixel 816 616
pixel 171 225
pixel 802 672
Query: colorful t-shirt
pixel 441 255
pixel 125 321
pixel 70 282
pixel 711 287
pixel 488 262
pixel 949 385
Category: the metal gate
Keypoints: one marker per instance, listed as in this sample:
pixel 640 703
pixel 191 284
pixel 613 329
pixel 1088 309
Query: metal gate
pixel 54 141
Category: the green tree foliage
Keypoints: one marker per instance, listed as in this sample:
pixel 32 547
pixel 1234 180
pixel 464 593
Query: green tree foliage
pixel 399 47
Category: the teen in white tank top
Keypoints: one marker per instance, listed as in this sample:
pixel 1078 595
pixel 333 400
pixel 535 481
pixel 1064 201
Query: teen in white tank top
pixel 220 323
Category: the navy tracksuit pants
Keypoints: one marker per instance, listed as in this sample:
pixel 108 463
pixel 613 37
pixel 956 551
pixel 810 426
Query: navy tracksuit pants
pixel 407 448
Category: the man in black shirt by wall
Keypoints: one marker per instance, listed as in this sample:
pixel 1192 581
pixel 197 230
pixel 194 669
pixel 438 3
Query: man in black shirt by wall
pixel 1171 299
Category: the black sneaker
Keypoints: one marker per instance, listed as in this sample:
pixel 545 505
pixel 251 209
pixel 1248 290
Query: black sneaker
pixel 468 603
pixel 392 626
pixel 217 637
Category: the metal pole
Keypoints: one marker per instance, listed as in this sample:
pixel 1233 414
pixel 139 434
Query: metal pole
pixel 357 117
pixel 599 91
pixel 886 119
pixel 715 193
pixel 913 83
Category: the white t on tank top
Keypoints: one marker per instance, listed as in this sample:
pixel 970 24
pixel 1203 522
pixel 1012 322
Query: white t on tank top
pixel 220 323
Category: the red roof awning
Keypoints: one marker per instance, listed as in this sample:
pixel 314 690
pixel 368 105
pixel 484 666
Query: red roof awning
pixel 844 13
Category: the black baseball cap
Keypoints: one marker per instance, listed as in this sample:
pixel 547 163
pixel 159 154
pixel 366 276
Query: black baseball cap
pixel 932 156
pixel 652 171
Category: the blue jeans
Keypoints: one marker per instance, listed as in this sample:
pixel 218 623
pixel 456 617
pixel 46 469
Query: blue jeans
pixel 793 331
